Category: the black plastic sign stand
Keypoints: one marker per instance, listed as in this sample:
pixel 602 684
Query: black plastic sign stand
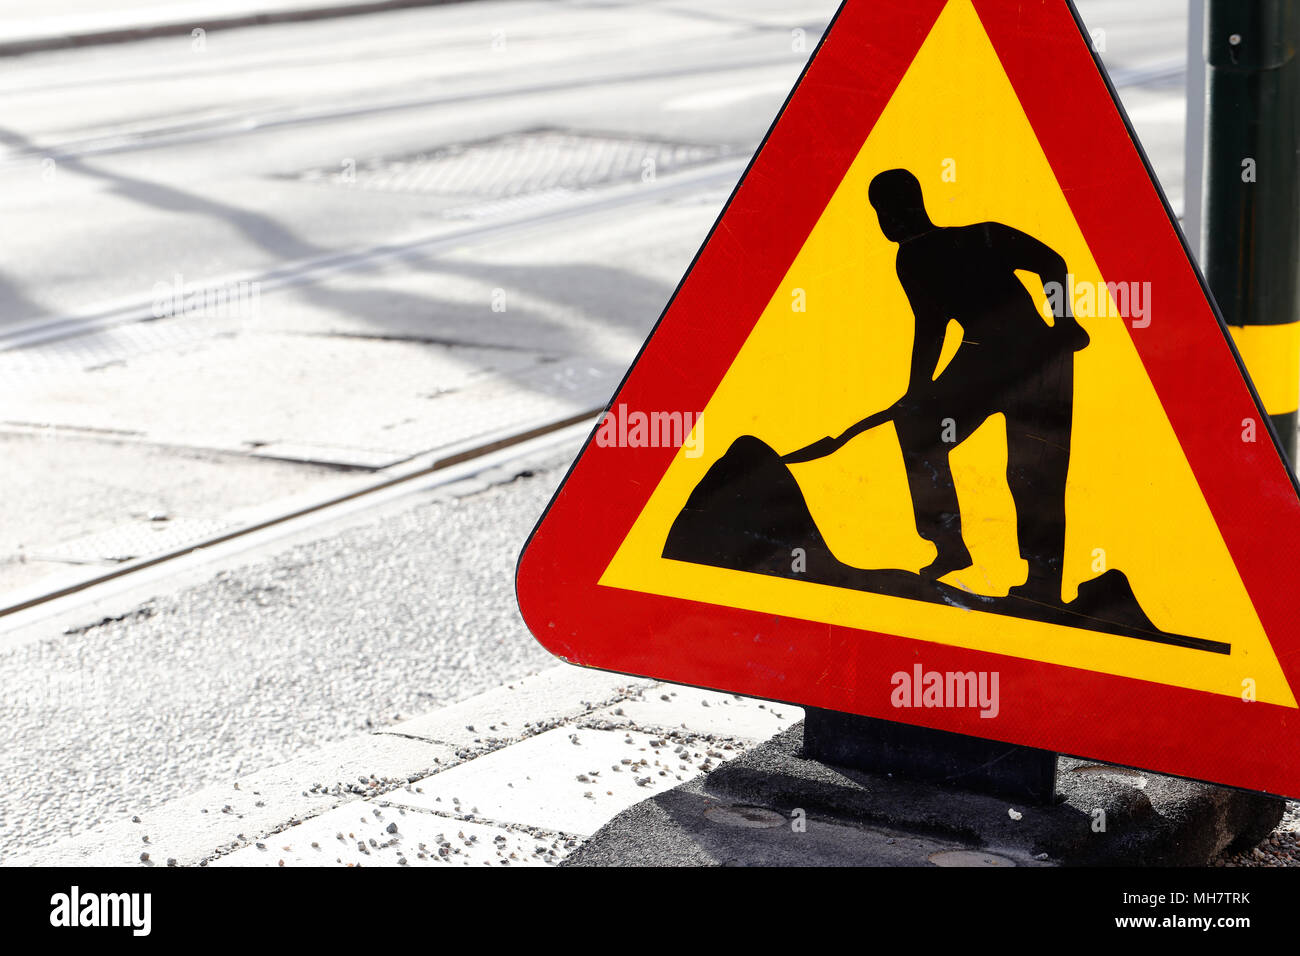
pixel 932 756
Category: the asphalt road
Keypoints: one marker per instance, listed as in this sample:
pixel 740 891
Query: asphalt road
pixel 152 163
pixel 356 630
pixel 128 165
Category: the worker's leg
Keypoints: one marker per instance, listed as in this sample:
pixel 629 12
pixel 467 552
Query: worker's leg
pixel 1039 419
pixel 921 435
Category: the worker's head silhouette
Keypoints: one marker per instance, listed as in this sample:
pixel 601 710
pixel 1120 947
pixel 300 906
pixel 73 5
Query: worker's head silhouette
pixel 896 196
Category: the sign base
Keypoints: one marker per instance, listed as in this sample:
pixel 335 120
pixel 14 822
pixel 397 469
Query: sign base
pixel 932 756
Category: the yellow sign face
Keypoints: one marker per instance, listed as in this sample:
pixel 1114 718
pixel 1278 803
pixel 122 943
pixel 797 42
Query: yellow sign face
pixel 838 341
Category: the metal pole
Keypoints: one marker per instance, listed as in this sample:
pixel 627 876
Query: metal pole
pixel 1194 130
pixel 1251 231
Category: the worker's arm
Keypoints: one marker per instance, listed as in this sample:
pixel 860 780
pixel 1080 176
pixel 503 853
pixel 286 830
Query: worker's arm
pixel 931 325
pixel 1027 253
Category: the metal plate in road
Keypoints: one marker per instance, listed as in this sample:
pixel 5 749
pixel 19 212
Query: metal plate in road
pixel 520 164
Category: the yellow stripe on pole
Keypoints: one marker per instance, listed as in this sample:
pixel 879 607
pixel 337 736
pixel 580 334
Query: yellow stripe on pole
pixel 1272 357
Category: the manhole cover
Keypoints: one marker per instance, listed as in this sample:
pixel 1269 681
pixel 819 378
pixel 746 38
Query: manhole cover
pixel 969 858
pixel 753 818
pixel 519 164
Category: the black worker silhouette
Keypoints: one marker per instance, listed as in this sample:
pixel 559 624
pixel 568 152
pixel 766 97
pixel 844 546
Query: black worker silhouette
pixel 1010 361
pixel 748 512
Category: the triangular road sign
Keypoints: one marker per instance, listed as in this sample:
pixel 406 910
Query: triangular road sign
pixel 943 394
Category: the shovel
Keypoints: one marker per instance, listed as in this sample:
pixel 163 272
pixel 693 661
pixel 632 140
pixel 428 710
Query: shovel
pixel 833 443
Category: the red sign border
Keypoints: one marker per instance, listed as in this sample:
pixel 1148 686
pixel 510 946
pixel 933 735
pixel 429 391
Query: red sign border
pixel 1043 47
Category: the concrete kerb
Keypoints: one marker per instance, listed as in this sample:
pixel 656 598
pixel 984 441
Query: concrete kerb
pixel 550 758
pixel 519 709
pixel 220 819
